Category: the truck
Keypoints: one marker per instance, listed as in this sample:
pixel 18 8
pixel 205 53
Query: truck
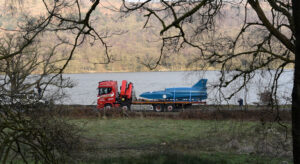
pixel 167 100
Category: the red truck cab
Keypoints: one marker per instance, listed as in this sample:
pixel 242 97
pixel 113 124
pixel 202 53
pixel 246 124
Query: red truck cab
pixel 107 93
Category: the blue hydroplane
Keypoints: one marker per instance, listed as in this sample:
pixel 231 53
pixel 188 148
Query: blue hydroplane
pixel 195 93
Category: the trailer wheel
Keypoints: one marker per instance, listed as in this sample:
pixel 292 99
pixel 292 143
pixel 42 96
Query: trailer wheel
pixel 158 108
pixel 151 107
pixel 170 108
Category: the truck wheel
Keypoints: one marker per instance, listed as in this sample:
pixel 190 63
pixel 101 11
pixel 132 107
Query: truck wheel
pixel 125 108
pixel 107 106
pixel 170 108
pixel 158 108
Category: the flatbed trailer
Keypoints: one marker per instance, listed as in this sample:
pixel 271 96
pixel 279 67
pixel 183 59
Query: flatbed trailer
pixel 167 106
pixel 168 102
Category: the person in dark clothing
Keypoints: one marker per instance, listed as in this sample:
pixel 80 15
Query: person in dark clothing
pixel 241 103
pixel 39 90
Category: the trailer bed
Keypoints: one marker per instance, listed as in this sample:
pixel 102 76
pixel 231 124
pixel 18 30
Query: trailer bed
pixel 168 102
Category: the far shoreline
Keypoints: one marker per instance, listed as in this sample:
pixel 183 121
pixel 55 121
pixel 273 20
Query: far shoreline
pixel 151 71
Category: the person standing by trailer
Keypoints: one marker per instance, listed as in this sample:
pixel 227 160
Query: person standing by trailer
pixel 241 103
pixel 38 90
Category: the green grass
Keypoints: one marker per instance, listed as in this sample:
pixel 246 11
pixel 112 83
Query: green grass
pixel 204 158
pixel 134 132
pixel 133 140
pixel 184 158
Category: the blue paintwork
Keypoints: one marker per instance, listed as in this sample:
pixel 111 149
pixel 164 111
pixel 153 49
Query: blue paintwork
pixel 196 92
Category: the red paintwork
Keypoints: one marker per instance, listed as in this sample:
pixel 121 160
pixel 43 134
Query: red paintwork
pixel 123 88
pixel 129 91
pixel 109 98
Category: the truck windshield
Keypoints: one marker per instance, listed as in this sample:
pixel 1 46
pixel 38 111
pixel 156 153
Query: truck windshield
pixel 103 91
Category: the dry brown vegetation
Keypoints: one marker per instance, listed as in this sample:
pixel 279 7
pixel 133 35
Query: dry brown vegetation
pixel 133 47
pixel 262 114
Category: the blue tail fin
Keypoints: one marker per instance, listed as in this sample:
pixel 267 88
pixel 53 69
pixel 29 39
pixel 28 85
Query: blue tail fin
pixel 200 84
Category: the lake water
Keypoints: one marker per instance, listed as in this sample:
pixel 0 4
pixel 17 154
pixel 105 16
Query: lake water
pixel 85 91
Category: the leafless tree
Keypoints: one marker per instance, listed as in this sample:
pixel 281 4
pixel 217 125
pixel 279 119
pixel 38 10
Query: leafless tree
pixel 35 137
pixel 35 54
pixel 18 78
pixel 266 40
pixel 63 19
pixel 28 132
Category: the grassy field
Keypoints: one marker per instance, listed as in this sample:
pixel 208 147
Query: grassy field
pixel 159 140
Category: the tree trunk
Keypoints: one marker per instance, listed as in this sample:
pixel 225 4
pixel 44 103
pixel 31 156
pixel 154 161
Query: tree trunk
pixel 296 89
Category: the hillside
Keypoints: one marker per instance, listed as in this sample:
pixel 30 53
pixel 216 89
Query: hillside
pixel 130 49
